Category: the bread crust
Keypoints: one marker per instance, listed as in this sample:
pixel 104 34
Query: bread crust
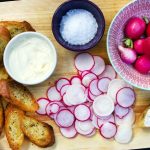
pixel 1 116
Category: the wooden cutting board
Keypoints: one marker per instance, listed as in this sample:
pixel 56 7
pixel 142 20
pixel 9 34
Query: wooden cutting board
pixel 39 13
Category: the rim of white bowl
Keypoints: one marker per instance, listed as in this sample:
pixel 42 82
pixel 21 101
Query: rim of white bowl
pixel 107 45
pixel 7 51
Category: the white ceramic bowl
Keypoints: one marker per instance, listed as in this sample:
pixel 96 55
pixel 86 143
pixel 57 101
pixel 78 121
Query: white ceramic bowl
pixel 12 44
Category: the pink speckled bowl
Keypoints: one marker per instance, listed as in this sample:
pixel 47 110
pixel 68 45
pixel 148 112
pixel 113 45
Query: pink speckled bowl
pixel 138 8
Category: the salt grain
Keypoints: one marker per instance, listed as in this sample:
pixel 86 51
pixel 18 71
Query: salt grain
pixel 78 27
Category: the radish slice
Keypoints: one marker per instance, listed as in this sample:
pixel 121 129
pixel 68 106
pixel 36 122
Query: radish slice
pixel 84 128
pixel 82 112
pixel 108 130
pixel 65 100
pixel 52 108
pixel 100 121
pixel 120 111
pixel 68 132
pixel 128 119
pixel 75 80
pixel 65 118
pixel 71 108
pixel 114 86
pixel 76 94
pixel 42 102
pixel 84 73
pixel 53 94
pixel 124 134
pixel 125 97
pixel 108 72
pixel 103 84
pixel 103 105
pixel 84 61
pixel 94 88
pixel 91 134
pixel 99 65
pixel 88 78
pixel 61 82
pixel 91 96
pixel 64 89
pixel 94 122
pixel 52 116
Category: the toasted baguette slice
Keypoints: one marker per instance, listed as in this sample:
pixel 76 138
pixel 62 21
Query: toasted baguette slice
pixel 4 39
pixel 39 133
pixel 3 73
pixel 14 134
pixel 18 95
pixel 1 116
pixel 15 27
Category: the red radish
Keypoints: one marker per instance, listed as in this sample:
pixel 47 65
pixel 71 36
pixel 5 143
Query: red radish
pixel 69 132
pixel 42 102
pixel 53 94
pixel 125 97
pixel 128 55
pixel 94 121
pixel 65 118
pixel 148 30
pixel 103 105
pixel 84 128
pixel 134 28
pixel 103 84
pixel 91 134
pixel 139 46
pixel 82 112
pixel 91 96
pixel 75 80
pixel 52 108
pixel 93 87
pixel 84 61
pixel 146 46
pixel 84 73
pixel 65 100
pixel 99 66
pixel 121 111
pixel 108 72
pixel 142 64
pixel 64 89
pixel 108 130
pixel 61 82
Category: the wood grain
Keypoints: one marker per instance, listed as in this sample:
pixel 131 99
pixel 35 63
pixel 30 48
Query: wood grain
pixel 39 13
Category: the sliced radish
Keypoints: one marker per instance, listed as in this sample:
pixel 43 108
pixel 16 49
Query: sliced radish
pixel 100 121
pixel 87 78
pixel 99 65
pixel 120 111
pixel 52 116
pixel 114 86
pixel 69 132
pixel 91 96
pixel 64 89
pixel 128 119
pixel 61 82
pixel 108 130
pixel 91 134
pixel 82 112
pixel 84 128
pixel 94 122
pixel 71 108
pixel 65 100
pixel 75 80
pixel 42 102
pixel 103 84
pixel 124 134
pixel 84 73
pixel 108 72
pixel 84 61
pixel 65 118
pixel 76 94
pixel 94 88
pixel 103 105
pixel 53 94
pixel 125 97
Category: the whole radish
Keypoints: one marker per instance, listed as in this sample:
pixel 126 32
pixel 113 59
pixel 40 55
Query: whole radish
pixel 134 28
pixel 148 30
pixel 146 46
pixel 142 64
pixel 128 55
pixel 139 46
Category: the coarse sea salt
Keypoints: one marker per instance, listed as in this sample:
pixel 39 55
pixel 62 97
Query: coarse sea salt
pixel 78 27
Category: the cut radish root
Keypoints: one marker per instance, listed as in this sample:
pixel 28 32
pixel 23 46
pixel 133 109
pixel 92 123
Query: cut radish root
pixel 84 61
pixel 42 102
pixel 69 132
pixel 120 111
pixel 53 94
pixel 99 65
pixel 108 130
pixel 61 82
pixel 82 112
pixel 125 97
pixel 90 100
pixel 103 84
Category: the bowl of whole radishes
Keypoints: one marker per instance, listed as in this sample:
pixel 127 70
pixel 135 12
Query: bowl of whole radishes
pixel 128 43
